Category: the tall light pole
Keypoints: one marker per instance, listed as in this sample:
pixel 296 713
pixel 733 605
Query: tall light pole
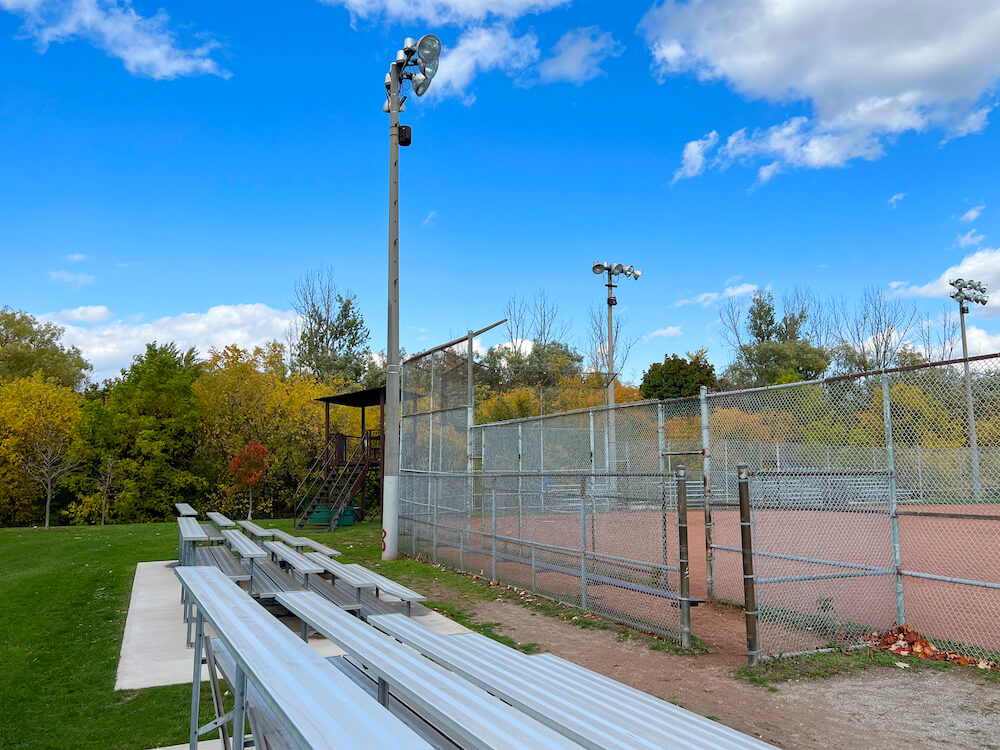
pixel 967 290
pixel 422 56
pixel 612 270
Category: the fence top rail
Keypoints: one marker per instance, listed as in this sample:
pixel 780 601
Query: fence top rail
pixel 598 474
pixel 318 705
pixel 588 409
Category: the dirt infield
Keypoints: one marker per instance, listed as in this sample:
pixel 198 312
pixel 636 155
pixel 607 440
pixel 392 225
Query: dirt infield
pixel 852 592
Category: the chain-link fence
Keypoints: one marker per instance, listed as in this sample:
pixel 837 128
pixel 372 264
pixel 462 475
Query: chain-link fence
pixel 875 500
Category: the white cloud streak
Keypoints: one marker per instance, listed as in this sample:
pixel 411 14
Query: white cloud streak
pixel 578 55
pixel 894 200
pixel 982 265
pixel 867 76
pixel 706 299
pixel 693 160
pixel 111 346
pixel 76 258
pixel 73 279
pixel 668 332
pixel 479 50
pixel 145 45
pixel 84 314
pixel 969 239
pixel 439 12
pixel 972 214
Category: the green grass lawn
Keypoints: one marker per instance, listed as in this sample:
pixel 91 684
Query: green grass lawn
pixel 65 595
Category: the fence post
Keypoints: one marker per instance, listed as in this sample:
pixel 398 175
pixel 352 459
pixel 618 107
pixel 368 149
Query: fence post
pixel 434 532
pixel 520 497
pixel 749 579
pixel 583 543
pixel 470 421
pixel 890 459
pixel 493 569
pixel 532 566
pixel 461 549
pixel 706 482
pixel 682 560
pixel 920 475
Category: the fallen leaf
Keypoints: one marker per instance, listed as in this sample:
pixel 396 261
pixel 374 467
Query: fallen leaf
pixel 902 665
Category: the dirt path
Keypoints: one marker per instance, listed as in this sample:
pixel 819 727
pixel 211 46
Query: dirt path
pixel 878 708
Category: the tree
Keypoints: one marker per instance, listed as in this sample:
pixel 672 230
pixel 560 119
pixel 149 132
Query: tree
pixel 100 476
pixel 768 350
pixel 38 421
pixel 329 338
pixel 28 347
pixel 248 467
pixel 154 414
pixel 677 377
pixel 873 331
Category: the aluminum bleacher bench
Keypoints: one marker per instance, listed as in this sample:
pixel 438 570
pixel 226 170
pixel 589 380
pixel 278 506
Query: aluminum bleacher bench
pixel 317 547
pixel 315 704
pixel 220 520
pixel 310 572
pixel 185 510
pixel 246 549
pixel 254 530
pixel 211 532
pixel 351 579
pixel 591 709
pixel 222 559
pixel 292 541
pixel 383 584
pixel 457 708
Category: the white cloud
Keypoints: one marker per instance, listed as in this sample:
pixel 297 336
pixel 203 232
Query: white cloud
pixel 437 12
pixel 479 50
pixel 981 342
pixel 693 161
pixel 146 46
pixel 73 279
pixel 84 314
pixel 894 200
pixel 972 214
pixel 706 299
pixel 982 265
pixel 668 332
pixel 74 257
pixel 867 75
pixel 430 218
pixel 577 57
pixel 110 347
pixel 969 239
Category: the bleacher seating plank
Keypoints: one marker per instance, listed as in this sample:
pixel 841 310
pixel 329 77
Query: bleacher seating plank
pixel 223 559
pixel 241 544
pixel 220 520
pixel 185 510
pixel 254 530
pixel 455 706
pixel 317 705
pixel 592 723
pixel 289 556
pixel 317 547
pixel 211 532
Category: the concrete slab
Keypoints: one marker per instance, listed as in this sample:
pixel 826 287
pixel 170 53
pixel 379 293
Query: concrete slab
pixel 154 651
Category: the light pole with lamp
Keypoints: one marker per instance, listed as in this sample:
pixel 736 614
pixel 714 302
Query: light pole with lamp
pixel 967 290
pixel 423 56
pixel 612 270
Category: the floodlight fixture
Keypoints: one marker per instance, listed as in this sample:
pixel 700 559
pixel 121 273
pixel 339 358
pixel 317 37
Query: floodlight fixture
pixel 409 45
pixel 429 48
pixel 420 84
pixel 401 57
pixel 636 274
pixel 428 67
pixel 599 267
pixel 617 268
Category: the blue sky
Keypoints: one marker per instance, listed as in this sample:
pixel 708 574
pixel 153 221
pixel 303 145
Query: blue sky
pixel 170 171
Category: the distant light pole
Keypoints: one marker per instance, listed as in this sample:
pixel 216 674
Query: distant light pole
pixel 970 291
pixel 422 55
pixel 612 270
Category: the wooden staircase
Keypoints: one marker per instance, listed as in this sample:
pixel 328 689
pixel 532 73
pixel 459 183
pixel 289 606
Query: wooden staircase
pixel 335 479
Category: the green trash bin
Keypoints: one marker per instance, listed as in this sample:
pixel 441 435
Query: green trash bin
pixel 347 518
